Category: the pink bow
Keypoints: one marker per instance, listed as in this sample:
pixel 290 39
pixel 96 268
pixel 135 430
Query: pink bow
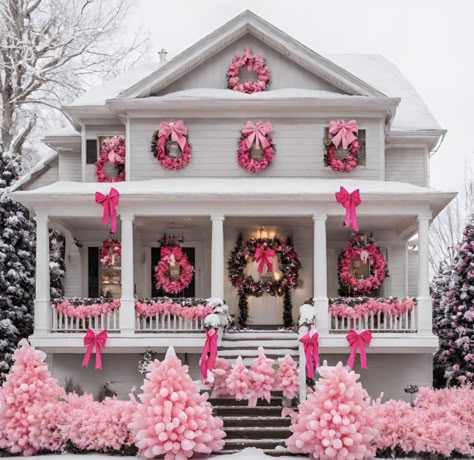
pixel 91 340
pixel 358 341
pixel 109 202
pixel 248 53
pixel 173 252
pixel 257 132
pixel 350 201
pixel 176 129
pixel 342 131
pixel 311 352
pixel 209 352
pixel 114 157
pixel 263 256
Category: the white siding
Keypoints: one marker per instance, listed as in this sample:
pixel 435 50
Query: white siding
pixel 70 166
pixel 50 176
pixel 283 72
pixel 73 276
pixel 407 165
pixel 412 273
pixel 397 256
pixel 298 143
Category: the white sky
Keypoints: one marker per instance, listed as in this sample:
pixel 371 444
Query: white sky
pixel 431 41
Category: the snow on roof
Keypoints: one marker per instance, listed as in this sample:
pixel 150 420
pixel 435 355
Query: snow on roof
pixel 376 70
pixel 63 132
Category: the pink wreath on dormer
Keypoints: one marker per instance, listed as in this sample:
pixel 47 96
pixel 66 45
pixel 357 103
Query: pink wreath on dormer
pixel 342 134
pixel 258 134
pixel 112 150
pixel 172 135
pixel 253 63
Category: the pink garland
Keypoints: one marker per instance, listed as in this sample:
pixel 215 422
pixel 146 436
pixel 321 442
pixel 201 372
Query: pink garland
pixel 168 307
pixel 110 248
pixel 254 64
pixel 86 311
pixel 112 151
pixel 366 306
pixel 163 281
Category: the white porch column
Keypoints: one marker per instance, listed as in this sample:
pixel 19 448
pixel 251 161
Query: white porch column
pixel 42 298
pixel 127 307
pixel 425 320
pixel 320 281
pixel 217 256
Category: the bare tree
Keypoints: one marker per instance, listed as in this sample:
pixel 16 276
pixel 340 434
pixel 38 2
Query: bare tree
pixel 49 49
pixel 446 230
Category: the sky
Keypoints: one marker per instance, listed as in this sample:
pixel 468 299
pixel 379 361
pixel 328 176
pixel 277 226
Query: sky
pixel 431 42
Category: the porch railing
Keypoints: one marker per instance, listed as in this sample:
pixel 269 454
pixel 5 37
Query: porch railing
pixel 168 323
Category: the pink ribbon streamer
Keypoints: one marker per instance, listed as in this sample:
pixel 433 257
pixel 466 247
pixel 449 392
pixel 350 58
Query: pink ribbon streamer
pixel 248 53
pixel 109 202
pixel 257 132
pixel 343 132
pixel 91 340
pixel 350 201
pixel 176 130
pixel 263 256
pixel 311 352
pixel 358 342
pixel 209 352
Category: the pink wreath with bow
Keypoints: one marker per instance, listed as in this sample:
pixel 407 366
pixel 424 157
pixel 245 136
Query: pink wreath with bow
pixel 342 134
pixel 171 132
pixel 253 63
pixel 258 135
pixel 112 150
pixel 170 257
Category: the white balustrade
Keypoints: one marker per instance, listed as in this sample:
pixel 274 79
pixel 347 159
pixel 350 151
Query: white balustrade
pixel 64 324
pixel 166 322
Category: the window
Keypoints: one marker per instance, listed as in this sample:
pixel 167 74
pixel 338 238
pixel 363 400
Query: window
pixel 93 271
pixel 91 151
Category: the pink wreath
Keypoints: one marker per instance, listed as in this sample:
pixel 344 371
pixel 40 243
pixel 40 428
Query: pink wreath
pixel 111 248
pixel 112 151
pixel 168 134
pixel 368 252
pixel 342 133
pixel 260 134
pixel 173 255
pixel 254 64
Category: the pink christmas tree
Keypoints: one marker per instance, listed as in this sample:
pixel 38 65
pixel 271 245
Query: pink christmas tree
pixel 221 371
pixel 174 420
pixel 287 378
pixel 262 378
pixel 31 406
pixel 336 421
pixel 239 381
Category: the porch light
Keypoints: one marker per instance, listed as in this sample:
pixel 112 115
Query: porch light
pixel 262 232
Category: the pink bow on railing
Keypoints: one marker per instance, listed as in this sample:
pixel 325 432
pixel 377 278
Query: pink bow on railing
pixel 173 252
pixel 91 340
pixel 109 202
pixel 311 352
pixel 256 132
pixel 358 341
pixel 343 132
pixel 209 352
pixel 263 256
pixel 176 130
pixel 350 201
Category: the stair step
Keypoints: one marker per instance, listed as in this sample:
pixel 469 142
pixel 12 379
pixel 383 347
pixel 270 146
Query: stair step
pixel 239 444
pixel 279 352
pixel 225 402
pixel 260 336
pixel 288 343
pixel 245 411
pixel 280 452
pixel 248 421
pixel 257 432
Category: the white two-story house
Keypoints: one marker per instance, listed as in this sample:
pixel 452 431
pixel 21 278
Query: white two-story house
pixel 213 198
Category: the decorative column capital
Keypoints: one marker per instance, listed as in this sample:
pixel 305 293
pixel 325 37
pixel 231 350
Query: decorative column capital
pixel 217 217
pixel 41 218
pixel 320 217
pixel 424 216
pixel 127 216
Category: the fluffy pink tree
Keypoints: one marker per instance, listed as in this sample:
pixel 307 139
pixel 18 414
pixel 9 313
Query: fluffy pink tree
pixel 221 371
pixel 31 409
pixel 239 381
pixel 287 378
pixel 262 377
pixel 174 420
pixel 336 421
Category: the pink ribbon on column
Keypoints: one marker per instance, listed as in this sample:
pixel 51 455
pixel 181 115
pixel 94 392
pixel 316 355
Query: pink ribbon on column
pixel 343 132
pixel 358 341
pixel 311 352
pixel 176 130
pixel 91 340
pixel 350 201
pixel 209 352
pixel 257 132
pixel 263 256
pixel 109 202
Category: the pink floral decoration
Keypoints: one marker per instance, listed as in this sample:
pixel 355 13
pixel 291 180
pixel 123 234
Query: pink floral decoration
pixel 347 163
pixel 253 63
pixel 169 307
pixel 111 249
pixel 112 151
pixel 287 378
pixel 163 280
pixel 160 148
pixel 83 311
pixel 357 307
pixel 244 156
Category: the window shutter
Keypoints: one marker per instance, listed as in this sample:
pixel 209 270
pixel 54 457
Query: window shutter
pixel 91 151
pixel 93 271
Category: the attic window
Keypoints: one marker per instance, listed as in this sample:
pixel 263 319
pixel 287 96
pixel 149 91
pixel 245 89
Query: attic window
pixel 362 146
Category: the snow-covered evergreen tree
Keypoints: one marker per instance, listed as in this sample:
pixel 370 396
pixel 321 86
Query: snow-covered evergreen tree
pixel 17 264
pixel 57 268
pixel 456 335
